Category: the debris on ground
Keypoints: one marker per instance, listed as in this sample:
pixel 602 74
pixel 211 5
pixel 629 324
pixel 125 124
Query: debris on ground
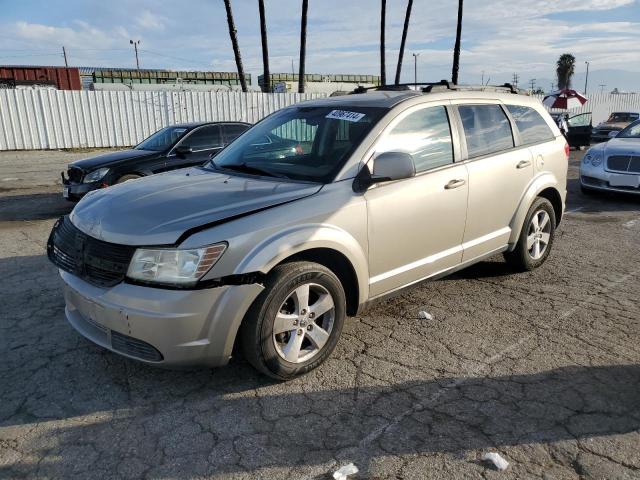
pixel 425 315
pixel 343 472
pixel 495 458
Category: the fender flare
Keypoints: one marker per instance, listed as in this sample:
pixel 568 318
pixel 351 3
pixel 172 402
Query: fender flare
pixel 537 185
pixel 282 245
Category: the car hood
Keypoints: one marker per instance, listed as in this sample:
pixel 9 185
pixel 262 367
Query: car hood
pixel 108 159
pixel 157 210
pixel 622 146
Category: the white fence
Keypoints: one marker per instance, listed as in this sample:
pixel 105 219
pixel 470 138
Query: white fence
pixel 51 119
pixel 602 104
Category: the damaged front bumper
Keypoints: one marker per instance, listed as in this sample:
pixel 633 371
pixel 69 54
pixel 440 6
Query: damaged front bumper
pixel 171 328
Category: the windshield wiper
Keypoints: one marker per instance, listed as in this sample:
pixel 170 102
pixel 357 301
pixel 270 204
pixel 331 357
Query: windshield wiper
pixel 246 168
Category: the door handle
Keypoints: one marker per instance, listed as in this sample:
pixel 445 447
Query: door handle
pixel 454 184
pixel 523 163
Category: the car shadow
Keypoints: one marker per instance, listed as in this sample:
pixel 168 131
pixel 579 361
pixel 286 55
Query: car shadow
pixel 60 393
pixel 38 206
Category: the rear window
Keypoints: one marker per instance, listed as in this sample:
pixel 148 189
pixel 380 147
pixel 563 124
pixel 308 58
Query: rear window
pixel 531 125
pixel 486 129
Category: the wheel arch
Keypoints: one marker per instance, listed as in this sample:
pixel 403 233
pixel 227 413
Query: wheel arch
pixel 545 186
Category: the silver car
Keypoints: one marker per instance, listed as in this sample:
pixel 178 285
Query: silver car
pixel 273 244
pixel 615 165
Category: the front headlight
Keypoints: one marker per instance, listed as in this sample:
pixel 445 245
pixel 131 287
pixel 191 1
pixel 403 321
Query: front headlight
pixel 593 158
pixel 96 175
pixel 174 266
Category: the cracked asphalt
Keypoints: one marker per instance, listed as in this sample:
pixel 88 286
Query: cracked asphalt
pixel 542 367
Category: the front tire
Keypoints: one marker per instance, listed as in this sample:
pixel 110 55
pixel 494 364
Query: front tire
pixel 536 237
pixel 295 323
pixel 127 177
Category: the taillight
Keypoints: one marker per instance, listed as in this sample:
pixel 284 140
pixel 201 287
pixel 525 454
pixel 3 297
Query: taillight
pixel 567 150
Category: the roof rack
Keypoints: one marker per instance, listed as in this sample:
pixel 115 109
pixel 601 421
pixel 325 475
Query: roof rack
pixel 430 87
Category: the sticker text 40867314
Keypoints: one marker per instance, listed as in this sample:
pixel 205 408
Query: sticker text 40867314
pixel 345 115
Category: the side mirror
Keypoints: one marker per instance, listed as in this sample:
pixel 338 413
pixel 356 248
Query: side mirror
pixel 183 150
pixel 613 133
pixel 387 166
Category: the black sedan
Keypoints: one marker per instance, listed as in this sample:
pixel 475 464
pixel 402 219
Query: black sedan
pixel 177 146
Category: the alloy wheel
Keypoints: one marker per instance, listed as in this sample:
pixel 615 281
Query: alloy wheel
pixel 539 234
pixel 304 323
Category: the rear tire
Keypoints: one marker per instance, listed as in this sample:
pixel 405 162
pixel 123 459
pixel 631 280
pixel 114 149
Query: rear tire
pixel 295 323
pixel 536 237
pixel 127 177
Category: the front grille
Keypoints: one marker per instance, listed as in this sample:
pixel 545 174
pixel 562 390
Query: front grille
pixel 75 174
pixel 134 347
pixel 624 163
pixel 99 263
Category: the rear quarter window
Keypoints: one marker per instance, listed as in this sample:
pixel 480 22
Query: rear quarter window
pixel 531 125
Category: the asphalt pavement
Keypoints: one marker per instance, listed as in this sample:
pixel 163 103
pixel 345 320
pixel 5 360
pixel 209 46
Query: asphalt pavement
pixel 541 367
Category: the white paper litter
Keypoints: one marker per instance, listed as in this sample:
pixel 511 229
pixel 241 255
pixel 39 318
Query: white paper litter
pixel 343 472
pixel 425 315
pixel 495 458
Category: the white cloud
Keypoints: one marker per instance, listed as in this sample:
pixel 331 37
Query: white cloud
pixel 151 21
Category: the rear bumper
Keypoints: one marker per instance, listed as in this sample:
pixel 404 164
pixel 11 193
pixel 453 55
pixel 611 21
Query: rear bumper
pixel 170 328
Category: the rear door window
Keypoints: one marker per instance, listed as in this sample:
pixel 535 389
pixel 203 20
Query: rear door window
pixel 425 135
pixel 203 138
pixel 531 125
pixel 486 129
pixel 231 132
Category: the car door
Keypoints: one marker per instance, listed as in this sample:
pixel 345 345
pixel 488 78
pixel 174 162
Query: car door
pixel 196 148
pixel 580 127
pixel 415 225
pixel 499 174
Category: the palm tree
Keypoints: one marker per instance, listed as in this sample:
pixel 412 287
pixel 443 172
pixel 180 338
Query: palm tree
pixel 564 69
pixel 404 40
pixel 383 74
pixel 266 82
pixel 234 44
pixel 456 48
pixel 303 45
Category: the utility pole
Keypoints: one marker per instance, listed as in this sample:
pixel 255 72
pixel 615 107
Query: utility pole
pixel 533 84
pixel 515 79
pixel 482 81
pixel 415 70
pixel 303 46
pixel 64 54
pixel 135 47
pixel 586 78
pixel 602 85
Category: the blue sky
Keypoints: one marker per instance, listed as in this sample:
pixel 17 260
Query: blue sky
pixel 499 36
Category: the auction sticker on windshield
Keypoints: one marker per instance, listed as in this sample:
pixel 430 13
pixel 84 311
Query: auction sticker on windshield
pixel 345 115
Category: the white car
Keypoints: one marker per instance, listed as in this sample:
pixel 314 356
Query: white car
pixel 614 165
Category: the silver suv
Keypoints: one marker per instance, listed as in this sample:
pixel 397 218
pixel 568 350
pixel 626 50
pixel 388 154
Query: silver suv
pixel 312 214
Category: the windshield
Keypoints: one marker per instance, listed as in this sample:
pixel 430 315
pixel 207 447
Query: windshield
pixel 300 143
pixel 162 139
pixel 623 117
pixel 632 131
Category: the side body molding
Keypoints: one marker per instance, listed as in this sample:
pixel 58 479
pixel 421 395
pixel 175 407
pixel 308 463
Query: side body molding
pixel 538 184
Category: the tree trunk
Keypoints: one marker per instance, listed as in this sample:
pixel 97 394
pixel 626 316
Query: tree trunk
pixel 234 44
pixel 383 73
pixel 303 45
pixel 266 82
pixel 404 40
pixel 456 49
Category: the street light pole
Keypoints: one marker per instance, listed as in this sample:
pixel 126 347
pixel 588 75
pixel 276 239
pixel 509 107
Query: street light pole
pixel 586 78
pixel 415 70
pixel 135 47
